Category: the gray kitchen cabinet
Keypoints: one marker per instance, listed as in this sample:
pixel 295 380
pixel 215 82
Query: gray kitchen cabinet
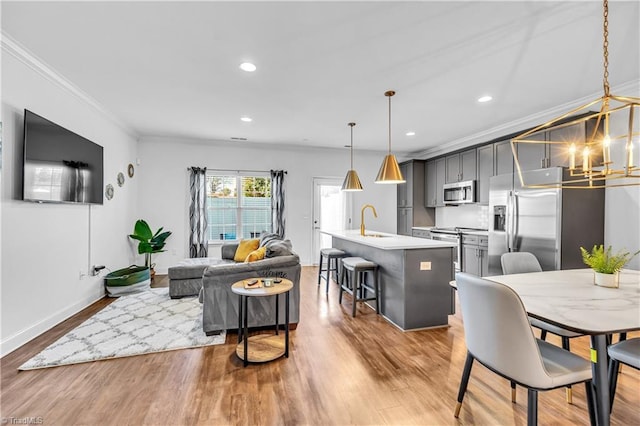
pixel 411 204
pixel 434 180
pixel 405 221
pixel 474 251
pixel 421 233
pixel 485 171
pixel 461 166
pixel 405 190
pixel 550 154
pixel 503 157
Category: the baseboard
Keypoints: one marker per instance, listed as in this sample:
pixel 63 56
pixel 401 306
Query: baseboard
pixel 13 342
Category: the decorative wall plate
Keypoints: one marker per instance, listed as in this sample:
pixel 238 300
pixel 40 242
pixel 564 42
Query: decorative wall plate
pixel 120 179
pixel 130 170
pixel 109 191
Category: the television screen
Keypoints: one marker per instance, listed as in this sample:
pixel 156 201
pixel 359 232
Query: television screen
pixel 59 165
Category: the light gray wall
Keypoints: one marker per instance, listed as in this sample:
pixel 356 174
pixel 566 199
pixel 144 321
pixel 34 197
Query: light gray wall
pixel 45 247
pixel 164 179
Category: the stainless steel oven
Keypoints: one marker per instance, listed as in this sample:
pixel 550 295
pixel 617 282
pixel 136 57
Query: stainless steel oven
pixel 450 235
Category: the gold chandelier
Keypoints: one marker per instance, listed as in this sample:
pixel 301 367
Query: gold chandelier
pixel 351 180
pixel 589 159
pixel 389 170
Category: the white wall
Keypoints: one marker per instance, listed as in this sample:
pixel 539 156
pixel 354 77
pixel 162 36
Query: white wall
pixel 46 246
pixel 164 180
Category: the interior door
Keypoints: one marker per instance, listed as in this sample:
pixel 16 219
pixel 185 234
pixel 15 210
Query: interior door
pixel 330 212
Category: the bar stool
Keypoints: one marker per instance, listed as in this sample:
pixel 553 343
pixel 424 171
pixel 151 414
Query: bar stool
pixel 332 254
pixel 355 270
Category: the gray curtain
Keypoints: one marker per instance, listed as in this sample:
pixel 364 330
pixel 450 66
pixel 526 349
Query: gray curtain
pixel 277 201
pixel 198 239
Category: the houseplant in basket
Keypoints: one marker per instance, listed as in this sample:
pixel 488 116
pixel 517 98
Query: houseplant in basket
pixel 606 265
pixel 148 241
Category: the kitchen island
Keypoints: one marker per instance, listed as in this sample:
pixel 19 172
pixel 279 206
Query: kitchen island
pixel 414 275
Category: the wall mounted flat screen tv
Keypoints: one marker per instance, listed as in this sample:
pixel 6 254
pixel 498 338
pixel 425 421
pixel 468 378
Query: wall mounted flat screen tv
pixel 59 165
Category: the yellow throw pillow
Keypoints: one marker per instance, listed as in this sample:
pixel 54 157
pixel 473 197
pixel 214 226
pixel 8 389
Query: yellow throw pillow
pixel 244 248
pixel 256 255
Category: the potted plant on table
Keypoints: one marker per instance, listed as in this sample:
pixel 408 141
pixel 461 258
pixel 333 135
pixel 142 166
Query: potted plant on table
pixel 149 242
pixel 605 264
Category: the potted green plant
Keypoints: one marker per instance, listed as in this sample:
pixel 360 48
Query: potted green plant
pixel 606 265
pixel 149 242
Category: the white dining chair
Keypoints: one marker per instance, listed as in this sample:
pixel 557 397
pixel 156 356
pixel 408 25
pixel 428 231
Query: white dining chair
pixel 625 352
pixel 524 262
pixel 514 352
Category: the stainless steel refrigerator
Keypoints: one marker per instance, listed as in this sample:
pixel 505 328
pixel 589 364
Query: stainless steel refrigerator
pixel 550 223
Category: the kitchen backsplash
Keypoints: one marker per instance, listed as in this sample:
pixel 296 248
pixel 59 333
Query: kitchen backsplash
pixel 468 216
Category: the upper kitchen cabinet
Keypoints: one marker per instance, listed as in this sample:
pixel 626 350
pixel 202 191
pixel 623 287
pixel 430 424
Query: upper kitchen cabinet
pixel 485 171
pixel 435 178
pixel 542 155
pixel 503 157
pixel 405 190
pixel 411 205
pixel 461 166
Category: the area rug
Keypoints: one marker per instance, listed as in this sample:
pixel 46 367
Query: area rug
pixel 136 324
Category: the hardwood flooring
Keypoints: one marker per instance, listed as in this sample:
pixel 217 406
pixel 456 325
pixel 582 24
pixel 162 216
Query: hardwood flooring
pixel 341 370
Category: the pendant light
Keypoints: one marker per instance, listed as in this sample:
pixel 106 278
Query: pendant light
pixel 351 181
pixel 590 162
pixel 389 170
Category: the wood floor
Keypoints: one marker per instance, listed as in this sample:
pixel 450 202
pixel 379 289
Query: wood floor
pixel 341 370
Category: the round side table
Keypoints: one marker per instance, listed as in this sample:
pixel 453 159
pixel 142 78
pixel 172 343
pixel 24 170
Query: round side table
pixel 264 347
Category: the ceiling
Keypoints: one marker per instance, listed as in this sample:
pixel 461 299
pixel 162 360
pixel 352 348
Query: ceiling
pixel 172 68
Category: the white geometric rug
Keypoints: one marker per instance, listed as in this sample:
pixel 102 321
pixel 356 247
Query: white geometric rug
pixel 136 324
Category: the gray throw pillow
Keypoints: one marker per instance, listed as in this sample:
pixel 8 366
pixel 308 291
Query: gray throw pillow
pixel 268 237
pixel 279 248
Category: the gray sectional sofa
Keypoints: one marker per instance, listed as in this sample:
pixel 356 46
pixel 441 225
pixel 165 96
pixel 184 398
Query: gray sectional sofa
pixel 216 276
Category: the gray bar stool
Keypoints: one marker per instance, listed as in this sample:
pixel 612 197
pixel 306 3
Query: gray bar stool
pixel 331 254
pixel 354 282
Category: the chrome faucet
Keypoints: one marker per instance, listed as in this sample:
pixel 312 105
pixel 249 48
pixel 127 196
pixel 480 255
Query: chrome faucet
pixel 362 216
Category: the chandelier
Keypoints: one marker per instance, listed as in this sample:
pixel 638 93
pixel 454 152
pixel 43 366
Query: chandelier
pixel 589 160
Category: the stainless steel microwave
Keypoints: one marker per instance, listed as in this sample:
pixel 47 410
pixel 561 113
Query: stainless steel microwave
pixel 460 192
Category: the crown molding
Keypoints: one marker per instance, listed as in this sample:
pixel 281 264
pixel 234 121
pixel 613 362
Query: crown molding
pixel 12 47
pixel 521 124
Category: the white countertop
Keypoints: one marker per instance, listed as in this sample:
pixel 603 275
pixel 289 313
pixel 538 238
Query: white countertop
pixel 388 241
pixel 423 228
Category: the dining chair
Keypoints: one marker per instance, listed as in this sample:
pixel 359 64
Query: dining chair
pixel 524 262
pixel 625 352
pixel 514 353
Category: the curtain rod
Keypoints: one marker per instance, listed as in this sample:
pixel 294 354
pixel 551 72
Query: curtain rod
pixel 236 170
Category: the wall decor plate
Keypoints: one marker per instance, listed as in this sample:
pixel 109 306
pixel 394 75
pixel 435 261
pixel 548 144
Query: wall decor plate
pixel 130 170
pixel 120 179
pixel 109 191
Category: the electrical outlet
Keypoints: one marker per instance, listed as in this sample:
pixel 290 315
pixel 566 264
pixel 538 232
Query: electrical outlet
pixel 425 266
pixel 80 274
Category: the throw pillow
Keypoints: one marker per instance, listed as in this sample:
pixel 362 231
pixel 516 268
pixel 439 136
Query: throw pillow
pixel 256 255
pixel 244 248
pixel 280 248
pixel 268 237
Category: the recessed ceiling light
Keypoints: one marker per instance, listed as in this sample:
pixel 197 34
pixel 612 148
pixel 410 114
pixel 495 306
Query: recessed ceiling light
pixel 410 133
pixel 247 66
pixel 485 98
pixel 246 119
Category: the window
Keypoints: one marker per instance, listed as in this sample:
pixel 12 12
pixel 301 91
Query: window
pixel 238 206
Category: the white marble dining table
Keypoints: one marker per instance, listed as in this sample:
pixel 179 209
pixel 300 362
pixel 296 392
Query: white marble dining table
pixel 570 299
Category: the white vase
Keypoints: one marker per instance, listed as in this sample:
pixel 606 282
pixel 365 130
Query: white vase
pixel 606 280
